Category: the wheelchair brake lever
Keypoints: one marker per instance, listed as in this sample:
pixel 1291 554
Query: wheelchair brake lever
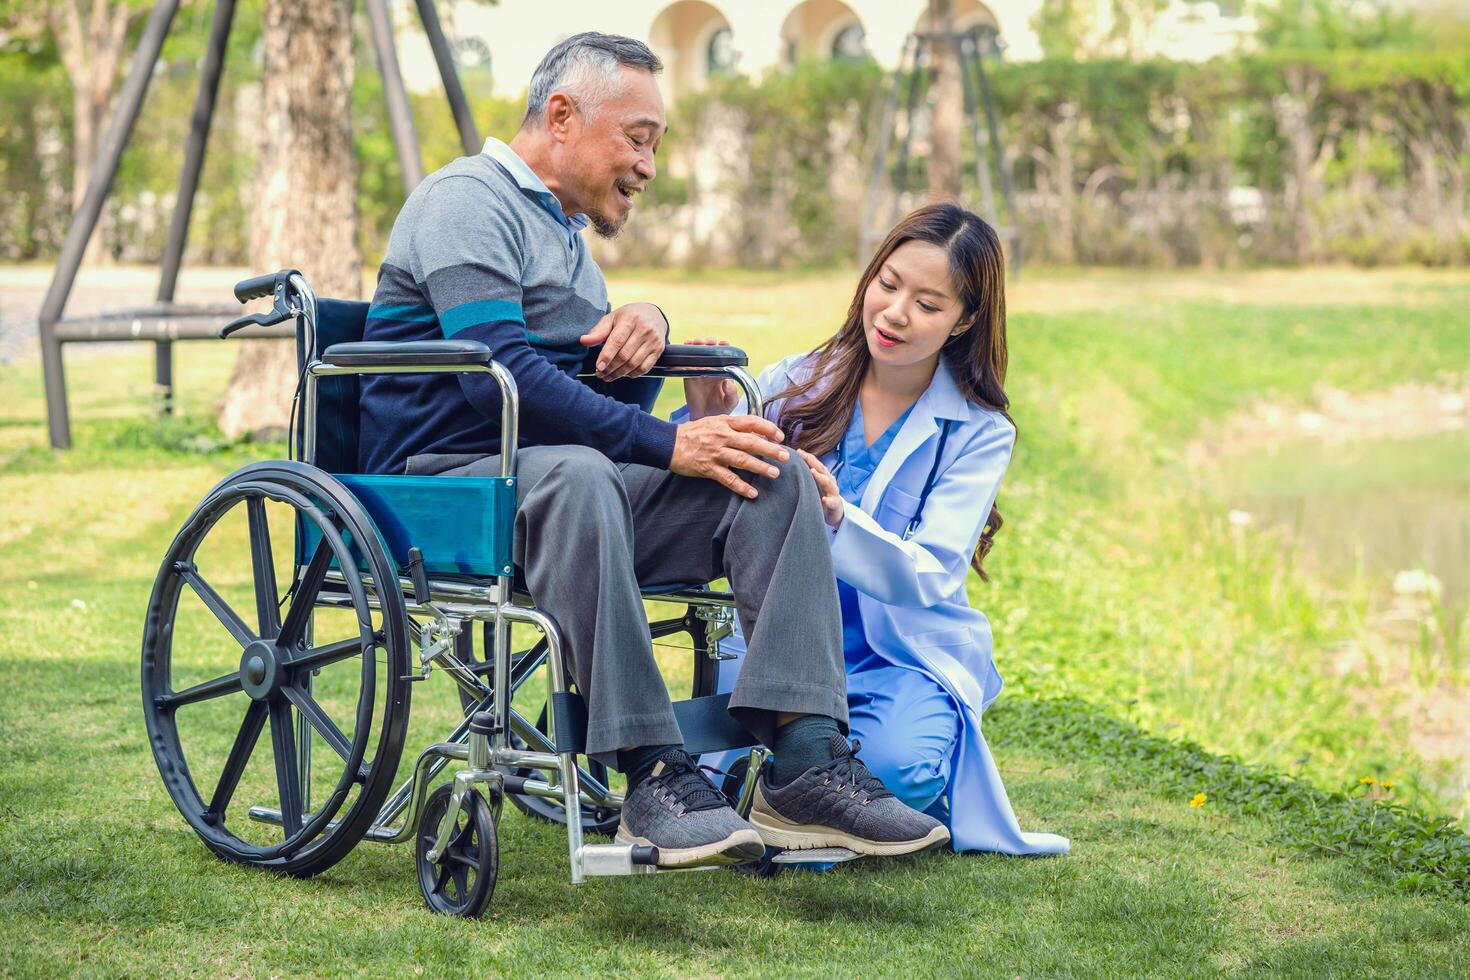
pixel 269 319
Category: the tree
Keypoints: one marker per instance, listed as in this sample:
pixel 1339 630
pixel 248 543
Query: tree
pixel 305 210
pixel 91 38
pixel 945 158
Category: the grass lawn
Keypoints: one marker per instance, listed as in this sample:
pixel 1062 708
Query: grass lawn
pixel 1127 614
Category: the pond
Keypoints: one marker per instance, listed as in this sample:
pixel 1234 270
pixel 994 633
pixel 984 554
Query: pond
pixel 1395 515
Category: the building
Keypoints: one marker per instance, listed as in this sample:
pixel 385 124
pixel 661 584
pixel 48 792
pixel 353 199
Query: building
pixel 698 38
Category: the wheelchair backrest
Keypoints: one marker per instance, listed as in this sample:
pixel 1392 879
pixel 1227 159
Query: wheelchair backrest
pixel 338 321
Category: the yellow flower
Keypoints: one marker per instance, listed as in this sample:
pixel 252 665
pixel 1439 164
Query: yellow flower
pixel 1388 784
pixel 1367 780
pixel 1199 800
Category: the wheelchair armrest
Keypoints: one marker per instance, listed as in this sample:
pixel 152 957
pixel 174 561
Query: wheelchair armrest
pixel 685 356
pixel 417 353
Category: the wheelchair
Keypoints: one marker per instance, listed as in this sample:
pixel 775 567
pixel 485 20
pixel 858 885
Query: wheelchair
pixel 388 577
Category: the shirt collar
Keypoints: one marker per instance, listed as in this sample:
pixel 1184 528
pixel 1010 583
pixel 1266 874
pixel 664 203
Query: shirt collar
pixel 533 185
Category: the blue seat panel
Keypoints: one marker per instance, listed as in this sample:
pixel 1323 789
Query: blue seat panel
pixel 464 525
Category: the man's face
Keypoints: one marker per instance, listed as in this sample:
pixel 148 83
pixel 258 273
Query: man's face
pixel 608 159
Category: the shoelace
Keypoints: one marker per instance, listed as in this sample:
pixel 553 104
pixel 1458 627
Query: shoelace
pixel 683 783
pixel 848 773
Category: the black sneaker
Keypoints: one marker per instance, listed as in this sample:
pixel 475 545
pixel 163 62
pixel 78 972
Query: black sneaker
pixel 679 811
pixel 841 804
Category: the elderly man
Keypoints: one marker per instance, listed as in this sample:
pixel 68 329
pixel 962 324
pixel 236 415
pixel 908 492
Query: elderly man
pixel 489 248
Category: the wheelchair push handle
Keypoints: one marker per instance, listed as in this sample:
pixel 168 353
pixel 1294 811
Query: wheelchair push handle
pixel 257 286
pixel 274 283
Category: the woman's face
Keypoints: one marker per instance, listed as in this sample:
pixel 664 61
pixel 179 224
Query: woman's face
pixel 910 308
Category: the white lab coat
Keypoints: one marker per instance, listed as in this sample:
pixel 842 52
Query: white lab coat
pixel 912 598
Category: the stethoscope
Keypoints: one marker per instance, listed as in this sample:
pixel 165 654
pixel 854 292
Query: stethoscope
pixel 928 480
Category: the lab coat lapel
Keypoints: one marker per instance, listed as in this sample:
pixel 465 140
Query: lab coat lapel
pixel 941 400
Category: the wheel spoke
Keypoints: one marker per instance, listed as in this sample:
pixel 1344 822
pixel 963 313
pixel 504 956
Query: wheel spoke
pixel 461 879
pixel 318 719
pixel 310 586
pixel 217 605
pixel 239 755
pixel 442 879
pixel 218 687
pixel 327 654
pixel 288 779
pixel 267 599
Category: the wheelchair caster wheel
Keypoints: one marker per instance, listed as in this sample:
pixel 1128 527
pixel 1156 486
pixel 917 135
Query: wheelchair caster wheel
pixel 462 881
pixel 764 867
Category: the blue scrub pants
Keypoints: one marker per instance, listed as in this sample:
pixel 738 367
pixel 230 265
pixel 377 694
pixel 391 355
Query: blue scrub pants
pixel 907 726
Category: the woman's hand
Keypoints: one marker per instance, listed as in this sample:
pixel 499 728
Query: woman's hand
pixel 832 503
pixel 710 396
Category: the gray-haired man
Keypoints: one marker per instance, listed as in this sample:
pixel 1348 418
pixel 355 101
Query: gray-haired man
pixel 488 248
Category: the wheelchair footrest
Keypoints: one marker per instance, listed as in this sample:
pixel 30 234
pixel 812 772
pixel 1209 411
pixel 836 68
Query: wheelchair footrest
pixel 605 860
pixel 815 855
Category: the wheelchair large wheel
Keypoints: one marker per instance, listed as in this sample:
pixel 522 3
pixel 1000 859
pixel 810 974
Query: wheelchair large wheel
pixel 328 676
pixel 595 819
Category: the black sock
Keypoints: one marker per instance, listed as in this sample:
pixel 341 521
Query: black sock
pixel 636 763
pixel 801 744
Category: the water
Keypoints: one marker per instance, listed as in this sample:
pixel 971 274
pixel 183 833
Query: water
pixel 1395 513
pixel 1384 507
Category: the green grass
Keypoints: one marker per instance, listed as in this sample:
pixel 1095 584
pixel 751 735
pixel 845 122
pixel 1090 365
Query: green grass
pixel 1117 582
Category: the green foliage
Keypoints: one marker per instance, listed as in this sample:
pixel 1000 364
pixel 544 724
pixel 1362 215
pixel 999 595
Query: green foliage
pixel 798 132
pixel 1335 25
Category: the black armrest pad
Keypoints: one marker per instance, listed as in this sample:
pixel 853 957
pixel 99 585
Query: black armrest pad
pixel 701 356
pixel 418 353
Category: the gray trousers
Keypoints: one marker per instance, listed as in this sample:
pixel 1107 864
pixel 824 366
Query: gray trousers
pixel 588 531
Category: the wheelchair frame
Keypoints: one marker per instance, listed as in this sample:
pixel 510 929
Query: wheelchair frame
pixel 447 607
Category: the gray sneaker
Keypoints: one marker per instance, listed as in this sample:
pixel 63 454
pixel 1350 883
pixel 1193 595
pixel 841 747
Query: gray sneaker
pixel 841 804
pixel 679 811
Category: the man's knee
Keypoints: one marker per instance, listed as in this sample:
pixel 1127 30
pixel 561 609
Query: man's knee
pixel 792 484
pixel 575 469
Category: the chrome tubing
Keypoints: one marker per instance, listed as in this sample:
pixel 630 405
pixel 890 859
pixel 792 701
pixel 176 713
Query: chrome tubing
pixel 571 783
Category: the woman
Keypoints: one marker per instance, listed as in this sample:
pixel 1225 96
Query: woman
pixel 901 418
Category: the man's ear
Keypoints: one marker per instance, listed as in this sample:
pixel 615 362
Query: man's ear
pixel 560 113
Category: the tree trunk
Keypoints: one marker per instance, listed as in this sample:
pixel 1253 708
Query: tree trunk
pixel 945 156
pixel 305 210
pixel 90 43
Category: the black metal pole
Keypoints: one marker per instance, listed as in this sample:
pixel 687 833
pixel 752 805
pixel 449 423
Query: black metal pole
pixel 882 144
pixel 469 135
pixel 178 230
pixel 967 52
pixel 1007 191
pixel 400 116
pixel 901 177
pixel 84 221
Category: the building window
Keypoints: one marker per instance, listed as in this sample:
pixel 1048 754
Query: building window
pixel 850 44
pixel 719 55
pixel 471 52
pixel 987 41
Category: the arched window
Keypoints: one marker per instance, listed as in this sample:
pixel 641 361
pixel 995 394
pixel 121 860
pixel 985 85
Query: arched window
pixel 471 52
pixel 850 44
pixel 719 54
pixel 988 42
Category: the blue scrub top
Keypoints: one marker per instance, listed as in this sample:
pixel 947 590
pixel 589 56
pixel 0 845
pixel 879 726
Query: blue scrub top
pixel 856 461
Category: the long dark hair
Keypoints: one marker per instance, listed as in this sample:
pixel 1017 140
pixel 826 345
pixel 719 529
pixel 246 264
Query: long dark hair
pixel 816 412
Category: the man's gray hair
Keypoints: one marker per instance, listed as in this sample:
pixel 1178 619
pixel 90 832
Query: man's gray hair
pixel 585 66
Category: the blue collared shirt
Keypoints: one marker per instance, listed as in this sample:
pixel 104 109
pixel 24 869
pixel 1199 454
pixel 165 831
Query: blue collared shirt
pixel 534 187
pixel 856 462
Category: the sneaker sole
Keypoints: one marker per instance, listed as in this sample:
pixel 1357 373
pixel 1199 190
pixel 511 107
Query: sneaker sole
pixel 738 848
pixel 783 834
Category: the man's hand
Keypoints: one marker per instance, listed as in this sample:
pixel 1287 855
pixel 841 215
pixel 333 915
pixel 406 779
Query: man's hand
pixel 832 503
pixel 716 447
pixel 632 336
pixel 710 396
